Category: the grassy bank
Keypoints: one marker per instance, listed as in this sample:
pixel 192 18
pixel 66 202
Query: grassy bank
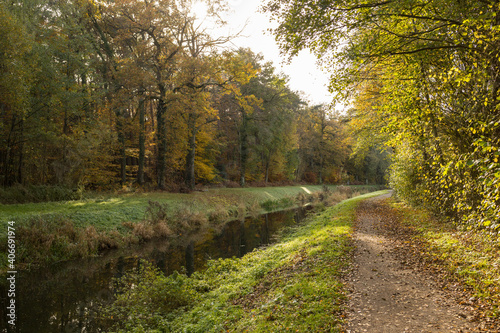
pixel 107 212
pixel 468 260
pixel 55 231
pixel 293 285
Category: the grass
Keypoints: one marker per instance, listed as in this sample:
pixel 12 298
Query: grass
pixel 109 212
pixel 470 258
pixel 55 231
pixel 294 285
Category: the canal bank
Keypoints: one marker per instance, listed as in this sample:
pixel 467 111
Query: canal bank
pixel 293 285
pixel 59 231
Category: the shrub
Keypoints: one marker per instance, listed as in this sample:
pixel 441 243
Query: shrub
pixel 52 238
pixel 218 214
pixel 231 184
pixel 302 198
pixel 160 221
pixel 146 295
pixel 336 197
pixel 186 220
pixel 19 194
pixel 156 212
pixel 282 203
pixel 346 190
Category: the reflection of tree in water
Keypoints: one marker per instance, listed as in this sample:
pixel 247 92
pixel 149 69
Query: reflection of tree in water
pixel 190 258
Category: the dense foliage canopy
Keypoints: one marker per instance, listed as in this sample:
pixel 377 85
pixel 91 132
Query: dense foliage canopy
pixel 101 93
pixel 423 77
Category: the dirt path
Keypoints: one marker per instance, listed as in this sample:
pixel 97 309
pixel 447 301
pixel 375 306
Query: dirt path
pixel 389 297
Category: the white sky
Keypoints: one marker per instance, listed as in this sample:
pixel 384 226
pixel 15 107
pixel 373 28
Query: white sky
pixel 305 76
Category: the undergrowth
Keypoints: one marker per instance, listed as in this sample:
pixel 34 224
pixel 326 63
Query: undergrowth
pixel 20 194
pixel 45 240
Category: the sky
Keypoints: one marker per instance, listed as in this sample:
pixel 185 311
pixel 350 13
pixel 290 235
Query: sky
pixel 305 76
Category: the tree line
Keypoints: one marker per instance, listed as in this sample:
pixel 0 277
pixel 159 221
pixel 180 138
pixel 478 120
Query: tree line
pixel 423 78
pixel 102 93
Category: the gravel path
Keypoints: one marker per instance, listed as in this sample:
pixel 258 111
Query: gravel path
pixel 387 296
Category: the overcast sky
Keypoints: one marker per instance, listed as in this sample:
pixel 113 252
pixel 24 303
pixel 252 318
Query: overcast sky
pixel 304 75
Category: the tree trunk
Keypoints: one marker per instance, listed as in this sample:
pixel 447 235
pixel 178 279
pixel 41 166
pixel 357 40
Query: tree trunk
pixel 190 176
pixel 7 159
pixel 268 163
pixel 320 173
pixel 322 146
pixel 123 154
pixel 161 162
pixel 243 149
pixel 142 142
pixel 19 176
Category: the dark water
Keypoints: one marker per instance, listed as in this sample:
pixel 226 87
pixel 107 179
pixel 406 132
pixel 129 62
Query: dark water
pixel 63 298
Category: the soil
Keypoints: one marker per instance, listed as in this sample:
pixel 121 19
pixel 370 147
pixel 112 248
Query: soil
pixel 388 295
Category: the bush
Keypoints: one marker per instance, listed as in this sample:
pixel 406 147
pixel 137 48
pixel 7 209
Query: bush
pixel 218 214
pixel 231 184
pixel 405 178
pixel 19 194
pixel 345 190
pixel 51 238
pixel 161 221
pixel 282 203
pixel 147 295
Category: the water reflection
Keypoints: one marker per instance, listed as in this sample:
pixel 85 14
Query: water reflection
pixel 62 298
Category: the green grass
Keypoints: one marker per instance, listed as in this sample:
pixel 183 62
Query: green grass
pixel 108 212
pixel 54 231
pixel 294 285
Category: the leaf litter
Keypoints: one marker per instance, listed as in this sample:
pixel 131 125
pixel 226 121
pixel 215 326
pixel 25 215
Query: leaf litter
pixel 395 287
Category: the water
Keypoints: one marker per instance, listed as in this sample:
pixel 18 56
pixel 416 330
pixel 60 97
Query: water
pixel 64 297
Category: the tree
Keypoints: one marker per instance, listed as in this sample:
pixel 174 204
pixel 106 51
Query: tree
pixel 15 81
pixel 322 149
pixel 57 103
pixel 236 109
pixel 436 68
pixel 97 94
pixel 274 122
pixel 158 31
pixel 203 71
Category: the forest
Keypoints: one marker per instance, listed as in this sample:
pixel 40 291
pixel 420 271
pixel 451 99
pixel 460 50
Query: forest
pixel 103 95
pixel 129 125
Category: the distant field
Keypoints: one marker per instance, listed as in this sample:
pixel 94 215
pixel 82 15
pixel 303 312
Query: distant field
pixel 109 211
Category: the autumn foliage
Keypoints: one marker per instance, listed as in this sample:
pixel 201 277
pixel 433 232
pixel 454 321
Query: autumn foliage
pixel 423 78
pixel 108 94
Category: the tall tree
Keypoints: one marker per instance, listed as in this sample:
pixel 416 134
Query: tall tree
pixel 204 72
pixel 15 81
pixel 274 122
pixel 321 147
pixel 237 107
pixel 158 30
